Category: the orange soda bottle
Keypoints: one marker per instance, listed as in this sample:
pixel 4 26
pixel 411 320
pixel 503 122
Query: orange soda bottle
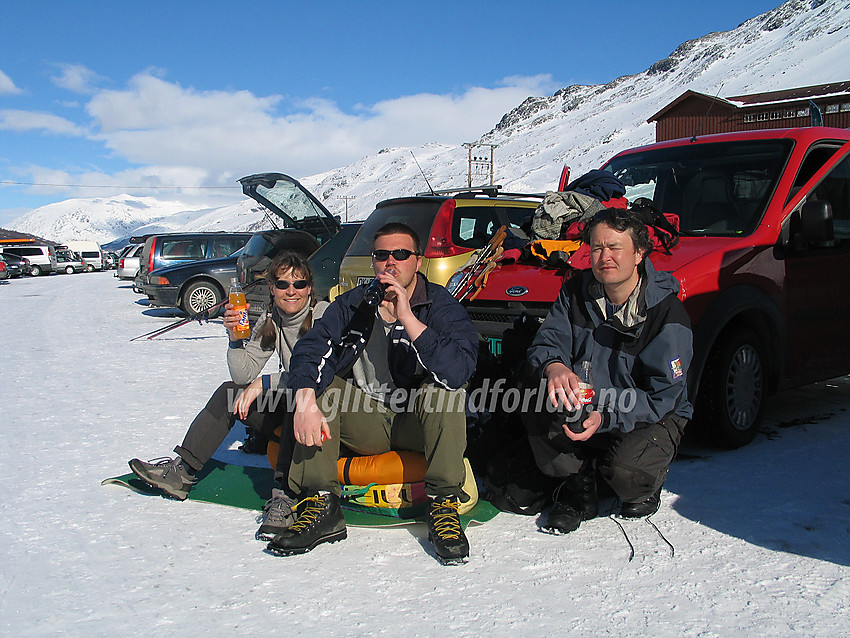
pixel 240 305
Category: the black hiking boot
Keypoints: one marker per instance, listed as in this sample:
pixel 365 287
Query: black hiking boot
pixel 576 500
pixel 319 520
pixel 445 531
pixel 642 509
pixel 169 475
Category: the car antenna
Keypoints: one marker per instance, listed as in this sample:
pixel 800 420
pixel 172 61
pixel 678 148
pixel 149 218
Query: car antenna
pixel 708 110
pixel 423 174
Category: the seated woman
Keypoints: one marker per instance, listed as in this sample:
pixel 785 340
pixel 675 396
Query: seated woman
pixel 260 403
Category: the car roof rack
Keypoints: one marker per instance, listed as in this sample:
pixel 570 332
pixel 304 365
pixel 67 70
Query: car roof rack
pixel 490 190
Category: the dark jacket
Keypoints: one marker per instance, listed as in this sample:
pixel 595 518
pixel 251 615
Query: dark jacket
pixel 647 347
pixel 447 349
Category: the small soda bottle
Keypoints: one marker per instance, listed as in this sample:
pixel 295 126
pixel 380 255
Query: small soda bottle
pixel 585 385
pixel 237 298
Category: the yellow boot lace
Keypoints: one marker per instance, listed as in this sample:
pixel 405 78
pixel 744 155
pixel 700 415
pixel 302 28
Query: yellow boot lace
pixel 446 524
pixel 309 514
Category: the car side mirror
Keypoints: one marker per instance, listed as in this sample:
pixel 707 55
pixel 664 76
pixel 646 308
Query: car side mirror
pixel 816 224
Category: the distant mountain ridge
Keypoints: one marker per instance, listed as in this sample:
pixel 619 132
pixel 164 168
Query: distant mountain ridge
pixel 800 43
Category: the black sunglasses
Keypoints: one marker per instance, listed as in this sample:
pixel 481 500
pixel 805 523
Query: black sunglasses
pixel 298 284
pixel 399 254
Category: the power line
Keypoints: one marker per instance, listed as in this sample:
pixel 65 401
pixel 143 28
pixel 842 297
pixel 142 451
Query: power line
pixel 3 181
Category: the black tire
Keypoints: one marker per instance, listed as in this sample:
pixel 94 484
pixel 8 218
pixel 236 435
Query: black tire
pixel 89 268
pixel 199 296
pixel 733 389
pixel 36 270
pixel 69 270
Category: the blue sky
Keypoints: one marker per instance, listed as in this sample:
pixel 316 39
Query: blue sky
pixel 105 95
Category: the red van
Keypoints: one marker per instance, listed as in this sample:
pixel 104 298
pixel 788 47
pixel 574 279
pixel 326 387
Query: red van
pixel 763 261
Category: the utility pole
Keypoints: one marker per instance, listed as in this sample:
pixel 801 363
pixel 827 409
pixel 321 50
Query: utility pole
pixel 346 198
pixel 480 165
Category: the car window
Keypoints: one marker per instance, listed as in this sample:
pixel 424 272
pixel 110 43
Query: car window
pixel 226 246
pixel 419 215
pixel 473 226
pixel 183 248
pixel 835 189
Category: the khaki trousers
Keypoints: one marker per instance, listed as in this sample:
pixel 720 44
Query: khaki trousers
pixel 433 422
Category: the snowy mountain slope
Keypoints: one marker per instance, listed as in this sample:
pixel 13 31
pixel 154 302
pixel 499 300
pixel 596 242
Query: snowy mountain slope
pixel 99 218
pixel 799 43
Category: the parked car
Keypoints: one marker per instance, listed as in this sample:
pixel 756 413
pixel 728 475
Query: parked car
pixel 175 248
pixel 42 257
pixel 110 260
pixel 4 270
pixel 194 286
pixel 15 265
pixel 450 224
pixel 765 239
pixel 128 262
pixel 68 262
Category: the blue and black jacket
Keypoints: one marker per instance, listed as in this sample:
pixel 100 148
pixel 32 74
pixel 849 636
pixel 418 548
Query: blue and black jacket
pixel 445 353
pixel 647 347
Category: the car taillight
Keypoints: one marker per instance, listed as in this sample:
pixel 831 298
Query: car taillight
pixel 2 266
pixel 152 253
pixel 440 240
pixel 121 263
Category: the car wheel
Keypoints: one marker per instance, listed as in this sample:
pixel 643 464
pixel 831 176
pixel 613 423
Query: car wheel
pixel 36 271
pixel 89 268
pixel 734 389
pixel 69 270
pixel 200 296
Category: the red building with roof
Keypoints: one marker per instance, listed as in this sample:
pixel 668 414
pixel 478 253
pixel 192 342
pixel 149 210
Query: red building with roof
pixel 694 113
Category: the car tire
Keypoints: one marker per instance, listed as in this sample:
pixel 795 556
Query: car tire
pixel 89 268
pixel 734 389
pixel 200 296
pixel 69 270
pixel 36 271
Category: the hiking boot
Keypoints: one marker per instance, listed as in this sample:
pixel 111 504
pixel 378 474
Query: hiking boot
pixel 319 520
pixel 445 531
pixel 642 509
pixel 278 514
pixel 169 475
pixel 576 500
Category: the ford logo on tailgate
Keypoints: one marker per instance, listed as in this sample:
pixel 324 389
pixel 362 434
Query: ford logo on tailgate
pixel 516 291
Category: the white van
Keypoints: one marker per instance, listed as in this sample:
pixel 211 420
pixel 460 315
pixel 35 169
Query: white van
pixel 90 253
pixel 42 258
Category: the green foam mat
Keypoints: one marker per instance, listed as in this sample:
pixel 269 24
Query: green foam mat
pixel 249 487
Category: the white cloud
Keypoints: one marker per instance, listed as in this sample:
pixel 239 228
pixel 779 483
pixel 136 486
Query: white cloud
pixel 76 78
pixel 7 87
pixel 230 133
pixel 23 121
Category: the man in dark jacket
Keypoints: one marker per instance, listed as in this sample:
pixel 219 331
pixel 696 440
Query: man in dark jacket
pixel 377 378
pixel 624 318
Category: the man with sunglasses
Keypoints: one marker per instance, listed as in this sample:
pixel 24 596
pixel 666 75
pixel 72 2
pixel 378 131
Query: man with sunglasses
pixel 624 318
pixel 381 378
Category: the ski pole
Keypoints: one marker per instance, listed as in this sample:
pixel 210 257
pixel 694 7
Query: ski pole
pixel 200 317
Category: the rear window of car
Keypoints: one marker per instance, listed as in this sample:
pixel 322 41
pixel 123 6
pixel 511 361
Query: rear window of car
pixel 418 215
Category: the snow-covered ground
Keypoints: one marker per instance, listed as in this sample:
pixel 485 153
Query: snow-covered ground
pixel 761 534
